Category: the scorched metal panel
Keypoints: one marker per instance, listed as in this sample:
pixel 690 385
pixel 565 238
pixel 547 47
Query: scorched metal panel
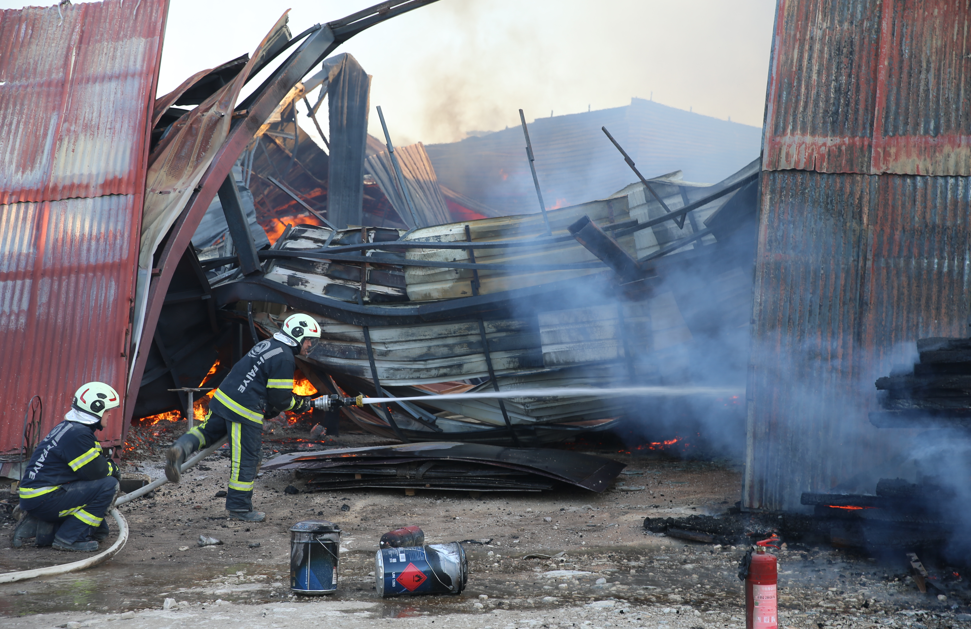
pixel 76 90
pixel 851 270
pixel 822 87
pixel 870 87
pixel 923 120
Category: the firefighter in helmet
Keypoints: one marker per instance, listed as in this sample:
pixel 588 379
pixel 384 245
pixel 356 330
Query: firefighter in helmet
pixel 69 483
pixel 258 387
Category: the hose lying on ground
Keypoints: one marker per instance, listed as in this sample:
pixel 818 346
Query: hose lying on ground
pixel 90 562
pixel 64 568
pixel 193 460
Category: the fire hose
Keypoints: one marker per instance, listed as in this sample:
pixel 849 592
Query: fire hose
pixel 90 562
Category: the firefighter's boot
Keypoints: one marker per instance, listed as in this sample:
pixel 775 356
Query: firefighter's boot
pixel 26 529
pixel 247 516
pixel 176 455
pixel 45 534
pixel 84 546
pixel 101 533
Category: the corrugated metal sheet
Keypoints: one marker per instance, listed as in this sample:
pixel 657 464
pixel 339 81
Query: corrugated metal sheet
pixel 73 98
pixel 821 99
pixel 419 176
pixel 77 94
pixel 870 87
pixel 852 269
pixel 923 118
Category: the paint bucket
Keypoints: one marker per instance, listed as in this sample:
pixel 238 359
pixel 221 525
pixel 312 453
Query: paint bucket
pixel 314 552
pixel 433 569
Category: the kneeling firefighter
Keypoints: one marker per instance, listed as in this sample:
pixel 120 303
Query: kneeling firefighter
pixel 69 483
pixel 259 386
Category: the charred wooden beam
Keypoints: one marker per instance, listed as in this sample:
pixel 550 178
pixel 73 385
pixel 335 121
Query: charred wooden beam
pixel 919 418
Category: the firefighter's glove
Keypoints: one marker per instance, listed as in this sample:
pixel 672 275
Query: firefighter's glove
pixel 114 471
pixel 301 404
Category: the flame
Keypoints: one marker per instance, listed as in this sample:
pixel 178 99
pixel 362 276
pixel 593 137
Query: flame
pixel 559 203
pixel 656 445
pixel 848 508
pixel 212 372
pixel 200 404
pixel 503 174
pixel 170 416
pixel 275 227
pixel 302 386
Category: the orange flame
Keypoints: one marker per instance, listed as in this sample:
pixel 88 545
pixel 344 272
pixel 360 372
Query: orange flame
pixel 302 386
pixel 276 226
pixel 170 416
pixel 656 445
pixel 200 404
pixel 559 203
pixel 848 508
pixel 212 372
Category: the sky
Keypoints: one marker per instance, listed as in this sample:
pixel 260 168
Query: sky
pixel 469 65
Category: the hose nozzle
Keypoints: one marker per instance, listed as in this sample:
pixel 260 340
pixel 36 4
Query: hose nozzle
pixel 328 402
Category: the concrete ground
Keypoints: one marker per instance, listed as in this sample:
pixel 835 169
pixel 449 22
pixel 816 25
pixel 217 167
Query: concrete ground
pixel 568 558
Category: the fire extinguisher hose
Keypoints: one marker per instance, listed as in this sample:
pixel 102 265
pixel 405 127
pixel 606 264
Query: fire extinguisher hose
pixel 90 562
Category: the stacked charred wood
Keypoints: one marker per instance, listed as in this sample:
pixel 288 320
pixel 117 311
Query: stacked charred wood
pixel 934 396
pixel 936 392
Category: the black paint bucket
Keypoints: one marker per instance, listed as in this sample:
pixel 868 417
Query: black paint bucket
pixel 433 569
pixel 314 552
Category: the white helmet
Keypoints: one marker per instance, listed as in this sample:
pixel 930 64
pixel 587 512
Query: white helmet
pixel 93 399
pixel 300 327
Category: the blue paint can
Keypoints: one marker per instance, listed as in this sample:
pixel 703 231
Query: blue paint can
pixel 432 569
pixel 314 552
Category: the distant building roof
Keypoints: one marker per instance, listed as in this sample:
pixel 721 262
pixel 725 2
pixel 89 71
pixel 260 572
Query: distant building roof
pixel 575 161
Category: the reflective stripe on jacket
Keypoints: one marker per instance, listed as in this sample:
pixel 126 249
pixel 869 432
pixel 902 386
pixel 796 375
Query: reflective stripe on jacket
pixel 259 385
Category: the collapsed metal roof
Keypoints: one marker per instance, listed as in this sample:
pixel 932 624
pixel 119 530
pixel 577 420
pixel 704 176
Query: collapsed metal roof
pixel 77 85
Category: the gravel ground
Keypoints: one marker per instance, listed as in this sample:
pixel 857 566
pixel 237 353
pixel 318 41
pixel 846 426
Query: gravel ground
pixel 567 558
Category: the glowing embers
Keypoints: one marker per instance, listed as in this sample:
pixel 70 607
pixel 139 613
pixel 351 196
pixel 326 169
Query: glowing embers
pixel 678 444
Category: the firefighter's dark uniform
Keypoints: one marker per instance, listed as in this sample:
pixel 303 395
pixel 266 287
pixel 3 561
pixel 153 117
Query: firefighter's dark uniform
pixel 259 386
pixel 70 483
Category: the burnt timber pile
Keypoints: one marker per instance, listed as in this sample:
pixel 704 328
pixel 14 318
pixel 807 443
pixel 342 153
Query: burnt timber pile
pixel 932 396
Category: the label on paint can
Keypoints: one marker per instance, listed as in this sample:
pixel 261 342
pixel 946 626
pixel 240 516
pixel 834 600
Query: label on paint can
pixel 764 616
pixel 434 569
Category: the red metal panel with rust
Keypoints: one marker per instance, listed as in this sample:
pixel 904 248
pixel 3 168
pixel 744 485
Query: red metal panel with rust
pixel 72 104
pixel 857 86
pixel 923 117
pixel 75 106
pixel 822 86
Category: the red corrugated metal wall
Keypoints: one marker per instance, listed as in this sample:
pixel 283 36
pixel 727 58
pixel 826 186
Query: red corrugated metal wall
pixel 855 265
pixel 78 85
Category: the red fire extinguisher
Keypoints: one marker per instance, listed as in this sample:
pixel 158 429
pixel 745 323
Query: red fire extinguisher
pixel 761 575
